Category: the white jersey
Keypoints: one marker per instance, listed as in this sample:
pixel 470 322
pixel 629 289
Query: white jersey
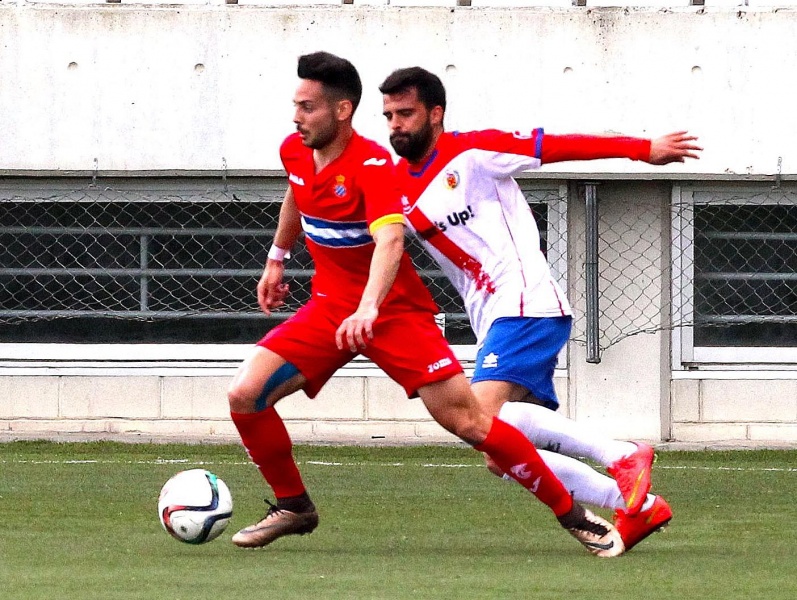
pixel 472 217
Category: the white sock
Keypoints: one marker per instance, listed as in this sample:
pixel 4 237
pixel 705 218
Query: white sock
pixel 549 430
pixel 586 485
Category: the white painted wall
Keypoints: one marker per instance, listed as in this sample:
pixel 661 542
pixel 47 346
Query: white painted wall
pixel 162 87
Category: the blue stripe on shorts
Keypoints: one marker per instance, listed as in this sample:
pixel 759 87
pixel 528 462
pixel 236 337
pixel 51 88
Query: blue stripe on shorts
pixel 523 350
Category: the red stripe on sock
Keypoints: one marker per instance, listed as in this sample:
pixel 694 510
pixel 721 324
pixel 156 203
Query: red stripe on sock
pixel 518 457
pixel 269 446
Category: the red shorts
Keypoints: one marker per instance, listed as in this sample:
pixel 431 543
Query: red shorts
pixel 408 346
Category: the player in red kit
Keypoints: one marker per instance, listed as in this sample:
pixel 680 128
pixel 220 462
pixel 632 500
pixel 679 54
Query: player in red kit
pixel 366 299
pixel 491 253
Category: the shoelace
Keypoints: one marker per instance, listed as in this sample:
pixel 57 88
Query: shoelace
pixel 272 508
pixel 592 527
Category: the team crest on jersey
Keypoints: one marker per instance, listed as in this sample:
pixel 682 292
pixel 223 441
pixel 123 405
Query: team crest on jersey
pixel 340 187
pixel 405 204
pixel 452 179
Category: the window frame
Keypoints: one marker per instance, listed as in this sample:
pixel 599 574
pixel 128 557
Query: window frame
pixel 686 354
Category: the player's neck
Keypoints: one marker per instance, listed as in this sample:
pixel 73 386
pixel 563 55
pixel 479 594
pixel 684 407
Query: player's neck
pixel 324 156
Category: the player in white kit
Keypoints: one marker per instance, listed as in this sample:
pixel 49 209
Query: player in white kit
pixel 460 198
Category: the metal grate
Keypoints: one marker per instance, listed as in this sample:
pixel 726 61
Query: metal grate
pixel 176 260
pixel 173 260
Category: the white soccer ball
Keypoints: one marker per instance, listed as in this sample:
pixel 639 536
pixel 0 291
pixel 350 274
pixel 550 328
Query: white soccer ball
pixel 195 506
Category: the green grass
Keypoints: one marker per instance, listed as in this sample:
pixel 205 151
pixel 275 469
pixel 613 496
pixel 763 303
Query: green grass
pixel 390 528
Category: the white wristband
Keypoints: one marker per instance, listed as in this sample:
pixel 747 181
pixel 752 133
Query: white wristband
pixel 277 253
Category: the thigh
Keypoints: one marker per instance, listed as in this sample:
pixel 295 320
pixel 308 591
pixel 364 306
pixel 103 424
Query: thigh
pixel 307 340
pixel 492 394
pixel 523 351
pixel 411 349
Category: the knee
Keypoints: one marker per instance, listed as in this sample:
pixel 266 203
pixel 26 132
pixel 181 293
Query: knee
pixel 470 426
pixel 453 405
pixel 253 391
pixel 241 397
pixel 475 430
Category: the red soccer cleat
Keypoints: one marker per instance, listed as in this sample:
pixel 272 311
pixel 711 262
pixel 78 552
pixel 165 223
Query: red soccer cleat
pixel 632 474
pixel 635 528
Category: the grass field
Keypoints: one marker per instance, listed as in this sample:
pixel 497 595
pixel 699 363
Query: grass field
pixel 79 521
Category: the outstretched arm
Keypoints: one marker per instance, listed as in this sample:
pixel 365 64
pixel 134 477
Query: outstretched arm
pixel 673 147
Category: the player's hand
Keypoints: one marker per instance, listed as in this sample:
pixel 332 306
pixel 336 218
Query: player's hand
pixel 357 330
pixel 673 147
pixel 271 292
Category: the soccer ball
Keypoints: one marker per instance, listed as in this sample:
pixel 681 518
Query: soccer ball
pixel 195 506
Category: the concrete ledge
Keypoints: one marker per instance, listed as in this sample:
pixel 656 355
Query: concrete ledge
pixel 355 432
pixel 162 438
pixel 149 438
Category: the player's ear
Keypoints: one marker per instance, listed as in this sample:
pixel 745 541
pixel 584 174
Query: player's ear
pixel 345 110
pixel 436 116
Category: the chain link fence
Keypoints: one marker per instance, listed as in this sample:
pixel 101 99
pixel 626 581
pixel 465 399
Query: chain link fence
pixel 176 260
pixel 735 275
pixel 722 262
pixel 626 283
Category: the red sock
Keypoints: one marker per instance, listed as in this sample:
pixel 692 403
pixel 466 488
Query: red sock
pixel 269 446
pixel 517 456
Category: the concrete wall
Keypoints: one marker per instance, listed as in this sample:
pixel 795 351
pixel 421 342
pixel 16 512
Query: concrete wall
pixel 756 410
pixel 353 409
pixel 190 87
pixel 359 409
pixel 202 86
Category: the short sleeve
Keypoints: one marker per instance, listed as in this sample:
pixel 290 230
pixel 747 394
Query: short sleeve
pixel 379 185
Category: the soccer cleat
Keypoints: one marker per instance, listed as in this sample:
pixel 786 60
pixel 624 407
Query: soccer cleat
pixel 635 528
pixel 632 474
pixel 274 525
pixel 596 534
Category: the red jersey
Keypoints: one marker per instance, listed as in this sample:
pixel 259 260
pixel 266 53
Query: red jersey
pixel 340 207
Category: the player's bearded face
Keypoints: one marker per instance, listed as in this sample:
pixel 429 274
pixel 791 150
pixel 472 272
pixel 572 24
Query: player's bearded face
pixel 413 145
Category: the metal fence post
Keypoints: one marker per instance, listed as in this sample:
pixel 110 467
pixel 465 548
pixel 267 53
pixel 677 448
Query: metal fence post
pixel 591 268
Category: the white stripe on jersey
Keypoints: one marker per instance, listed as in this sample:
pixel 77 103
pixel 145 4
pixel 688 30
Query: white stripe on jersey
pixel 339 234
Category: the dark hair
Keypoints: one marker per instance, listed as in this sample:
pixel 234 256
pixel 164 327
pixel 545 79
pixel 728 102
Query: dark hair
pixel 430 89
pixel 337 74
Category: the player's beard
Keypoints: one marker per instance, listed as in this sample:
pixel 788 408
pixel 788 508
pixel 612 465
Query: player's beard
pixel 413 146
